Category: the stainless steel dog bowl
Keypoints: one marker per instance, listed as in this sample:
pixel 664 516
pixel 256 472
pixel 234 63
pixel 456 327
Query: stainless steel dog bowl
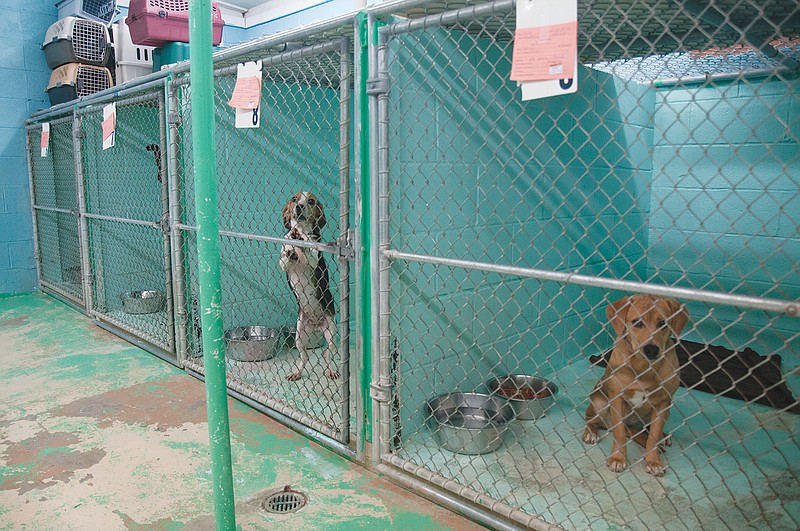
pixel 252 343
pixel 469 423
pixel 142 302
pixel 529 395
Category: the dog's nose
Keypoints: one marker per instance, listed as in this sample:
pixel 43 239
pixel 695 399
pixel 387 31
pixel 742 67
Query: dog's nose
pixel 299 210
pixel 651 351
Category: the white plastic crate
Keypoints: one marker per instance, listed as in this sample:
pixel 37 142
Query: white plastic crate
pixel 99 10
pixel 132 60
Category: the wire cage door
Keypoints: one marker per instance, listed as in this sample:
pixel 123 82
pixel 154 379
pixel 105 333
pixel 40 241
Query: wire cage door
pixel 300 151
pixel 126 202
pixel 55 209
pixel 515 237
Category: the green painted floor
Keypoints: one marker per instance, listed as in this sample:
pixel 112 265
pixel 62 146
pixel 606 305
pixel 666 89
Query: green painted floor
pixel 98 434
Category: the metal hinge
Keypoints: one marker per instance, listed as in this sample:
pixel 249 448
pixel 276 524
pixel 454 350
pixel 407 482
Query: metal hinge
pixel 345 246
pixel 378 85
pixel 381 393
pixel 174 118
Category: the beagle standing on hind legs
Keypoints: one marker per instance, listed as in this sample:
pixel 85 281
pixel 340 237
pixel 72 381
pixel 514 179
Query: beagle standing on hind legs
pixel 634 395
pixel 307 273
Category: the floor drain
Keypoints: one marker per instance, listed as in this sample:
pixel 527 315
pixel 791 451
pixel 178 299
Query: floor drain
pixel 286 500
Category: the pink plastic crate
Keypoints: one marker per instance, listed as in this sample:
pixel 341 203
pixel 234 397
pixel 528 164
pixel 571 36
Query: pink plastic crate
pixel 157 22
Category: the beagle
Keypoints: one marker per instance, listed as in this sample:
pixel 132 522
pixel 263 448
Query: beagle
pixel 634 395
pixel 307 274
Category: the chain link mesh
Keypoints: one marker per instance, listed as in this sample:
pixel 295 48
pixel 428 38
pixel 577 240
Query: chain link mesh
pixel 513 228
pixel 55 205
pixel 126 203
pixel 689 186
pixel 296 149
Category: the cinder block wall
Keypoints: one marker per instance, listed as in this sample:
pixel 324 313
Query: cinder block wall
pixel 23 79
pixel 725 206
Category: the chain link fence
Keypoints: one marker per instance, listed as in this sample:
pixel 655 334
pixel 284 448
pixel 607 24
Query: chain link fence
pixel 509 230
pixel 505 234
pixel 55 209
pixel 301 147
pixel 126 197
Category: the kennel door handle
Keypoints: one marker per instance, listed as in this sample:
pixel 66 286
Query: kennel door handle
pixel 344 245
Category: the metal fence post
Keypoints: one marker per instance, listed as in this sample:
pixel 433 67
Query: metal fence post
pixel 202 83
pixel 83 235
pixel 175 218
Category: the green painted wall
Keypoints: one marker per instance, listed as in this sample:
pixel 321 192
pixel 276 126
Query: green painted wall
pixel 726 213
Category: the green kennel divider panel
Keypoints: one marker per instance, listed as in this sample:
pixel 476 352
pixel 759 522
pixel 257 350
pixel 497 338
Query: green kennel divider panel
pixel 507 228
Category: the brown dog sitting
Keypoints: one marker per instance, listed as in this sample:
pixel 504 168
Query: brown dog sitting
pixel 634 395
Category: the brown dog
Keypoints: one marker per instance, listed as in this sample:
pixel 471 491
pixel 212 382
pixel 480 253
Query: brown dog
pixel 634 396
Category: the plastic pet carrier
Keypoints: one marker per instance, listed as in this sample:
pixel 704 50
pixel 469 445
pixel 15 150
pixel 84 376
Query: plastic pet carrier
pixel 157 22
pixel 132 60
pixel 74 80
pixel 75 40
pixel 99 10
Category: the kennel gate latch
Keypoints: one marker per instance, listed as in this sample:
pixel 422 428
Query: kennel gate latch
pixel 344 245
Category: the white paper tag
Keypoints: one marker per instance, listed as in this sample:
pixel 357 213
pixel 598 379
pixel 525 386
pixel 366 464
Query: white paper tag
pixel 535 90
pixel 536 13
pixel 247 118
pixel 44 142
pixel 109 125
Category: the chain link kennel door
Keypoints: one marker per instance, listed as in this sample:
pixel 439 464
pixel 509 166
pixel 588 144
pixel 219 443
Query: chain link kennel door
pixel 508 228
pixel 127 212
pixel 302 145
pixel 55 209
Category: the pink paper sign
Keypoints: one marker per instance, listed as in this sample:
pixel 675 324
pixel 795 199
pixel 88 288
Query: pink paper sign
pixel 246 93
pixel 544 52
pixel 45 139
pixel 109 124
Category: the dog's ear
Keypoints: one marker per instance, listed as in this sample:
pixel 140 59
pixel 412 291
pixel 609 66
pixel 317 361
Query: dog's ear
pixel 287 213
pixel 680 316
pixel 319 217
pixel 616 314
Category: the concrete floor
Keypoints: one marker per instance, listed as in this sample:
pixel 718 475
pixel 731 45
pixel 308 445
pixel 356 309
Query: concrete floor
pixel 98 434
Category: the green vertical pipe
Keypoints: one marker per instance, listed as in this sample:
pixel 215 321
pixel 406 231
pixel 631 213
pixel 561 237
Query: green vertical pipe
pixel 202 86
pixel 366 304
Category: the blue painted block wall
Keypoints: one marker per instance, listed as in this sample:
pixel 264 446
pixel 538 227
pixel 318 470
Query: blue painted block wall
pixel 725 208
pixel 23 79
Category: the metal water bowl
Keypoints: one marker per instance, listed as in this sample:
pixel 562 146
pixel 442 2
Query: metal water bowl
pixel 252 343
pixel 469 423
pixel 530 396
pixel 142 302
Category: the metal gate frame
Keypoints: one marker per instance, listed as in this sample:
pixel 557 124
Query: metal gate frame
pixel 55 287
pixel 447 491
pixel 337 437
pixel 135 332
